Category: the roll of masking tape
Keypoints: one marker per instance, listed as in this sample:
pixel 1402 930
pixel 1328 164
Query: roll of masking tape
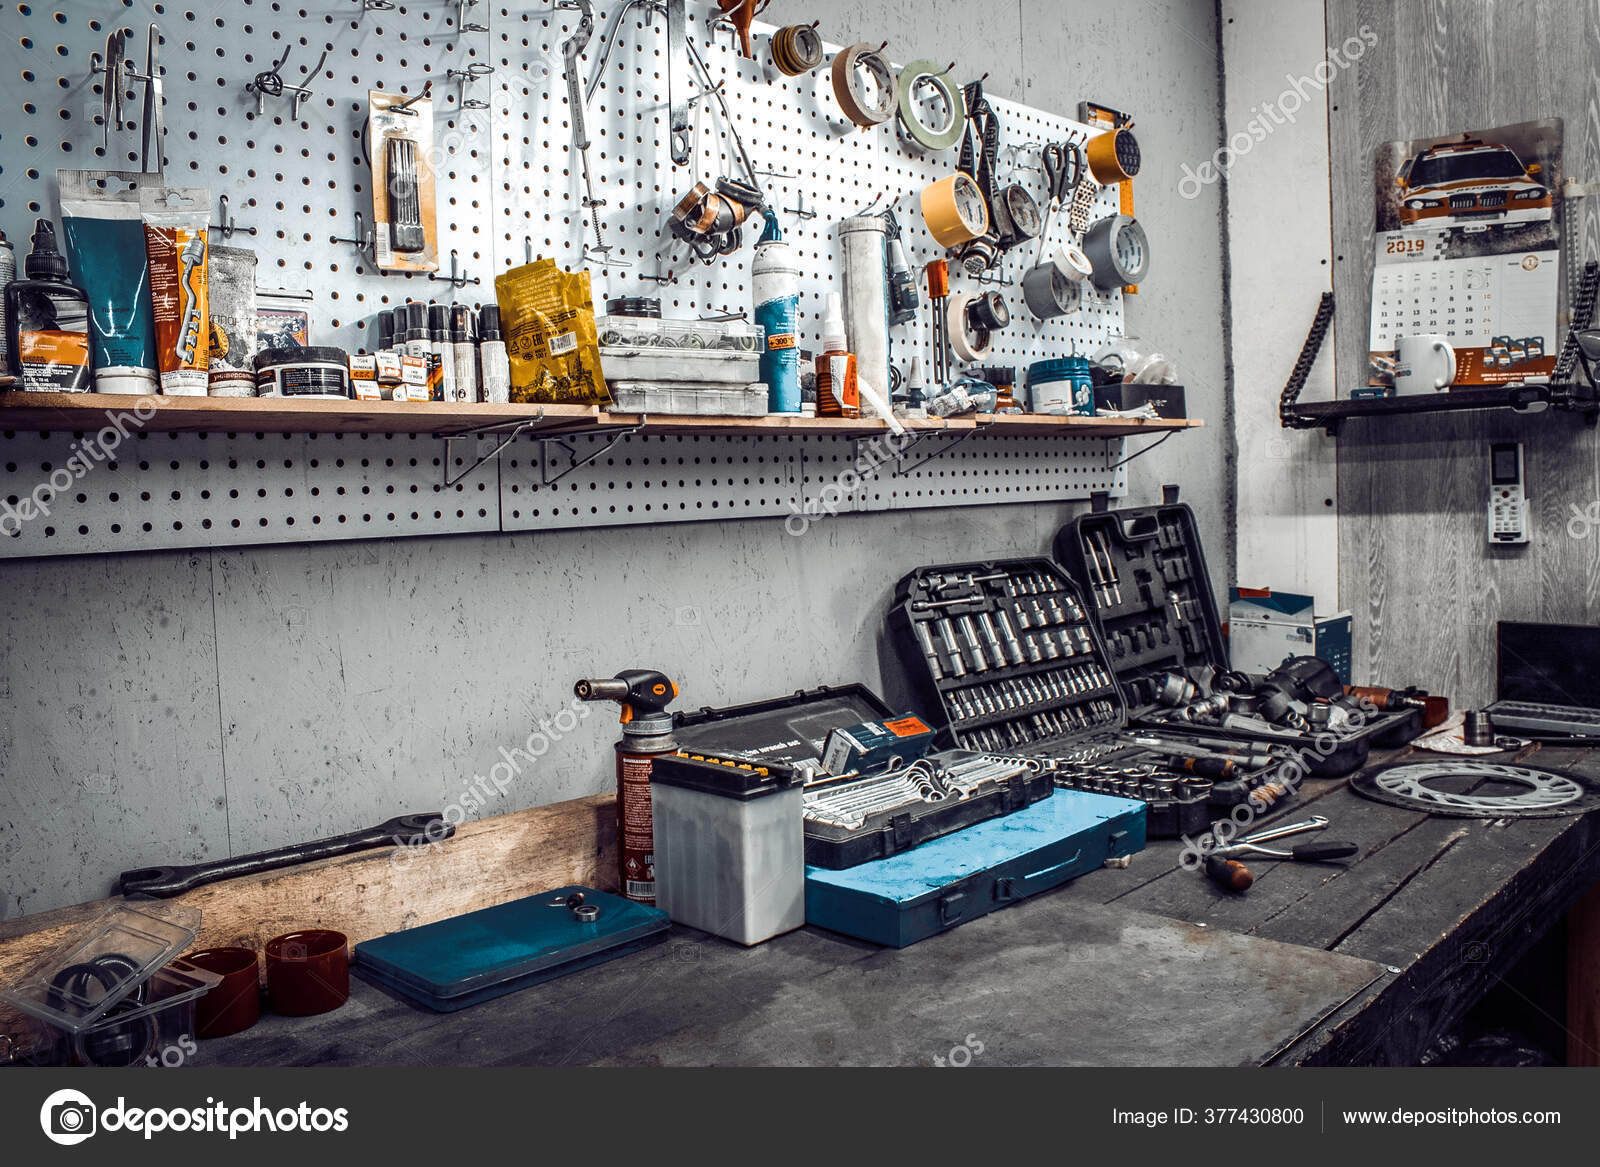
pixel 927 136
pixel 967 340
pixel 955 210
pixel 851 92
pixel 1113 156
pixel 1071 262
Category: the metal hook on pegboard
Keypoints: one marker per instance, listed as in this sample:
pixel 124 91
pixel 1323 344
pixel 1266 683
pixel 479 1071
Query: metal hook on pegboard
pixel 464 77
pixel 462 8
pixel 270 83
pixel 457 277
pixel 362 241
pixel 375 6
pixel 226 224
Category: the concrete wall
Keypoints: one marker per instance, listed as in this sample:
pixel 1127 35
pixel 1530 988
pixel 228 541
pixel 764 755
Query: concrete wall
pixel 174 707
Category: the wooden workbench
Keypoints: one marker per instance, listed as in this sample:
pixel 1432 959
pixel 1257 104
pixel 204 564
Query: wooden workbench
pixel 1364 962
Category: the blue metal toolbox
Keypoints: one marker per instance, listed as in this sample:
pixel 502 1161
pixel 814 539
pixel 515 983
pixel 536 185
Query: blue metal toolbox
pixel 454 963
pixel 913 895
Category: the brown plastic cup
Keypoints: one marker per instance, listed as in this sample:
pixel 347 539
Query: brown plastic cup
pixel 234 1005
pixel 308 972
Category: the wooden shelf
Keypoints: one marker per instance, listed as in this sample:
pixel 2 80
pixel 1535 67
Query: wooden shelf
pixel 87 412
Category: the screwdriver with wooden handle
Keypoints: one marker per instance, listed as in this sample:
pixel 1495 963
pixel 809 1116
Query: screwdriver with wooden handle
pixel 1223 868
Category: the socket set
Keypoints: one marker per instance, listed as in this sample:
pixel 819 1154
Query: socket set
pixel 1144 578
pixel 1006 652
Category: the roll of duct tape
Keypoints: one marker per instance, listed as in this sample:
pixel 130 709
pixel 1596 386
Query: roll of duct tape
pixel 851 92
pixel 969 343
pixel 796 49
pixel 930 137
pixel 955 210
pixel 1048 293
pixel 1113 156
pixel 1119 251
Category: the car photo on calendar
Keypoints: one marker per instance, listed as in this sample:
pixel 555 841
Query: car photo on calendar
pixel 1471 193
pixel 1470 182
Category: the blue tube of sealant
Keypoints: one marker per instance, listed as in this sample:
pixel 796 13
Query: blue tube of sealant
pixel 104 245
pixel 776 286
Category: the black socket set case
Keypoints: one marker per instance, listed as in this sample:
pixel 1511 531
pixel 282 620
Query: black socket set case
pixel 1143 573
pixel 1007 653
pixel 793 729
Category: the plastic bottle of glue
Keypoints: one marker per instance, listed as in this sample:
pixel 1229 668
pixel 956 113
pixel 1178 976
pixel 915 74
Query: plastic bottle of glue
pixel 837 395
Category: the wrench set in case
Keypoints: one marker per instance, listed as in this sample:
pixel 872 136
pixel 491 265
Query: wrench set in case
pixel 1007 653
pixel 1148 593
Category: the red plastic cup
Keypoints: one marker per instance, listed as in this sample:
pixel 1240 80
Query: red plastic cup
pixel 234 1005
pixel 308 972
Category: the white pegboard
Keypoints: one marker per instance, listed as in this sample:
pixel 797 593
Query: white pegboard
pixel 507 187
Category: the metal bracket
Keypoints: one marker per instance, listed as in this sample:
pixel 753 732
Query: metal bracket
pixel 901 469
pixel 462 7
pixel 362 242
pixel 579 463
pixel 512 429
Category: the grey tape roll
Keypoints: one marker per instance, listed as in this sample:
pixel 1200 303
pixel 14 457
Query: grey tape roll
pixel 1119 251
pixel 1048 293
pixel 929 137
pixel 852 94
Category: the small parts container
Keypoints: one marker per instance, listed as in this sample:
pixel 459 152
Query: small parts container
pixel 688 399
pixel 308 972
pixel 100 964
pixel 730 845
pixel 235 1004
pixel 303 372
pixel 632 332
pixel 154 1025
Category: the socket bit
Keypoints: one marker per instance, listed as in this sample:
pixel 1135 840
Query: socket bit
pixel 925 640
pixel 947 633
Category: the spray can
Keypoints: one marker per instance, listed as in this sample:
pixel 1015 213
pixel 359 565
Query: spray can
pixel 776 288
pixel 493 356
pixel 836 368
pixel 464 353
pixel 863 260
pixel 644 695
pixel 8 272
pixel 443 351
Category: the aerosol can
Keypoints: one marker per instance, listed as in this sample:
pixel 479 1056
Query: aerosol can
pixel 646 734
pixel 775 277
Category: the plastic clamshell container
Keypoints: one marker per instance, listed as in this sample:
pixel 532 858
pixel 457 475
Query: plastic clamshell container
pixel 730 855
pixel 167 1036
pixel 146 941
pixel 685 399
pixel 724 367
pixel 631 332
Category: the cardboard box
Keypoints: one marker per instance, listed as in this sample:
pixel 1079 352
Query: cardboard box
pixel 1266 628
pixel 873 744
pixel 1123 396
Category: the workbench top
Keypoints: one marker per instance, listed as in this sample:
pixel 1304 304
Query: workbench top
pixel 1363 962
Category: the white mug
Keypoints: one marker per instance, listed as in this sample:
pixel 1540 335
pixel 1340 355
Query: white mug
pixel 1423 364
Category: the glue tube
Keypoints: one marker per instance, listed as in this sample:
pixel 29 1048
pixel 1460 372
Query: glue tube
pixel 776 287
pixel 104 243
pixel 175 222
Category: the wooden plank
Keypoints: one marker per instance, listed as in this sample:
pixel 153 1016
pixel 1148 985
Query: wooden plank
pixel 486 862
pixel 87 412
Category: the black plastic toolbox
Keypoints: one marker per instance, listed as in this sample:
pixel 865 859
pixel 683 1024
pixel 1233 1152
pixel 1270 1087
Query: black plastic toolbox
pixel 792 730
pixel 1006 652
pixel 1142 573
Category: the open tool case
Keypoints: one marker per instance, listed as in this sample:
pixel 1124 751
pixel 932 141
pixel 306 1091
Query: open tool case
pixel 1143 574
pixel 793 729
pixel 1009 655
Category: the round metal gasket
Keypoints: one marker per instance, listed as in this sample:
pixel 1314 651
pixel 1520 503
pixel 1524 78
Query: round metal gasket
pixel 1412 785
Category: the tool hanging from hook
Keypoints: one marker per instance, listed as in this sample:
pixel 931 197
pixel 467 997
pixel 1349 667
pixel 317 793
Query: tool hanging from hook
pixel 116 71
pixel 571 50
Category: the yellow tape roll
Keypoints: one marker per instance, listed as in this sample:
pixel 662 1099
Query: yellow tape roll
pixel 955 210
pixel 1113 156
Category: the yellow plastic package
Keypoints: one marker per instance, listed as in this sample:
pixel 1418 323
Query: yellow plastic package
pixel 547 318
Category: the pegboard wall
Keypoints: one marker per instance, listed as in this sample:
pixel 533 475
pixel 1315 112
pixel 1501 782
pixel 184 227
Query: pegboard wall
pixel 508 188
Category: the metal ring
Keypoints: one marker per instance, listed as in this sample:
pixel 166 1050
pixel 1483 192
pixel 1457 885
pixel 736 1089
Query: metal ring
pixel 852 94
pixel 926 136
pixel 586 913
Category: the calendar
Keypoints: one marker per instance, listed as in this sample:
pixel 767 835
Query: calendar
pixel 1467 251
